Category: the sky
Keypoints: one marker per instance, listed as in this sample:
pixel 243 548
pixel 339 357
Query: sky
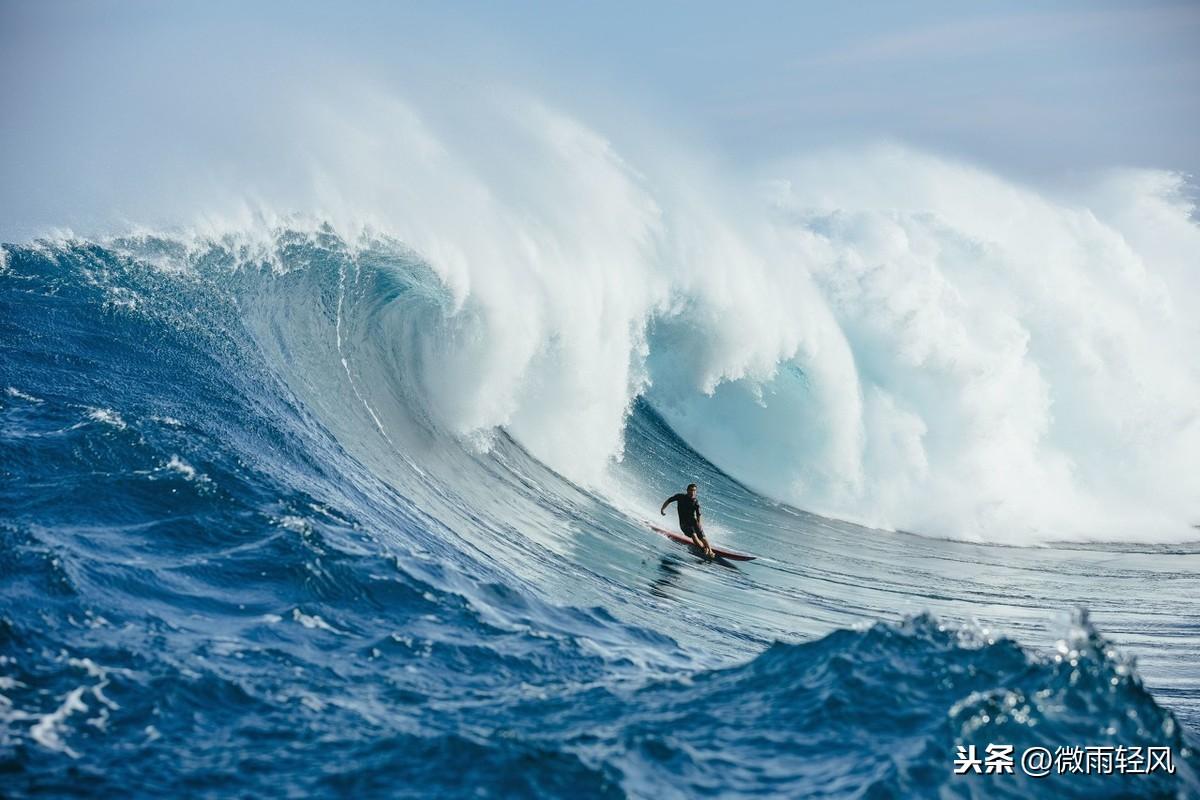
pixel 100 98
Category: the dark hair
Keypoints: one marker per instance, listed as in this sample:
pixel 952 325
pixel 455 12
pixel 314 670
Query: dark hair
pixel 691 486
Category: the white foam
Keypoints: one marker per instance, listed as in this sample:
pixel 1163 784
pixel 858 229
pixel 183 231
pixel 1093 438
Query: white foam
pixel 98 693
pixel 295 523
pixel 12 391
pixel 313 622
pixel 49 728
pixel 108 417
pixel 90 667
pixel 177 464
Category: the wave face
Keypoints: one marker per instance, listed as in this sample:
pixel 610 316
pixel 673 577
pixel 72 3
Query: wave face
pixel 262 534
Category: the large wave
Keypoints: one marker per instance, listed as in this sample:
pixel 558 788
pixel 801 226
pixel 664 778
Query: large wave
pixel 874 334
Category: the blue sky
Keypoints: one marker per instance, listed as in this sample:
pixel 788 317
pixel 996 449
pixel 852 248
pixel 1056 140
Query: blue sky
pixel 1034 90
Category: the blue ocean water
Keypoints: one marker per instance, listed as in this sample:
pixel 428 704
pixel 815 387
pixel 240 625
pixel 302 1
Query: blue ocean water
pixel 240 558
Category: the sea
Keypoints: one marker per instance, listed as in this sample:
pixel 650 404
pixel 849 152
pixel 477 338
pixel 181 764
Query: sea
pixel 312 513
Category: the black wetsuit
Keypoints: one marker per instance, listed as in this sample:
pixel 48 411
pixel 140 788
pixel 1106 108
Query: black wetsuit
pixel 689 513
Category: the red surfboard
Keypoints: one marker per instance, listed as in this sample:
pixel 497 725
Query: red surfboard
pixel 678 537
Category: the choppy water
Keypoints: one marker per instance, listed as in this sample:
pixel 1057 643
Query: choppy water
pixel 240 556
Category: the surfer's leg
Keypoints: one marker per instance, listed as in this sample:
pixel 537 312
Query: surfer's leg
pixel 694 533
pixel 697 534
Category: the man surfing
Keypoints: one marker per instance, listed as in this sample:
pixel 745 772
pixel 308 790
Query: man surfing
pixel 689 517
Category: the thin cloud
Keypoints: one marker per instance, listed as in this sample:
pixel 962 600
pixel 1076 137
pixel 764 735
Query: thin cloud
pixel 977 36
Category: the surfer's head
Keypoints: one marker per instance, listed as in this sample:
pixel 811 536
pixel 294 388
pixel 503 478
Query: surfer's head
pixel 691 490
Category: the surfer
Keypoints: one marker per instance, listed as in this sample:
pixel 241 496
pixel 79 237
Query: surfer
pixel 689 517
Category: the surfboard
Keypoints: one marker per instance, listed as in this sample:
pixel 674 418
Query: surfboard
pixel 679 537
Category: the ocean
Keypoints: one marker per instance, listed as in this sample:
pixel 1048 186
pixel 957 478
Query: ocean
pixel 259 538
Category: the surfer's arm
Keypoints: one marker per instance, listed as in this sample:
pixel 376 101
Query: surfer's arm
pixel 667 502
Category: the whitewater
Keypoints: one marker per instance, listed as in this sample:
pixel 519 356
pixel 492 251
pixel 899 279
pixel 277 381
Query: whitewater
pixel 340 484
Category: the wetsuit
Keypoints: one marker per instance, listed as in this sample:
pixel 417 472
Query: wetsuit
pixel 689 513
